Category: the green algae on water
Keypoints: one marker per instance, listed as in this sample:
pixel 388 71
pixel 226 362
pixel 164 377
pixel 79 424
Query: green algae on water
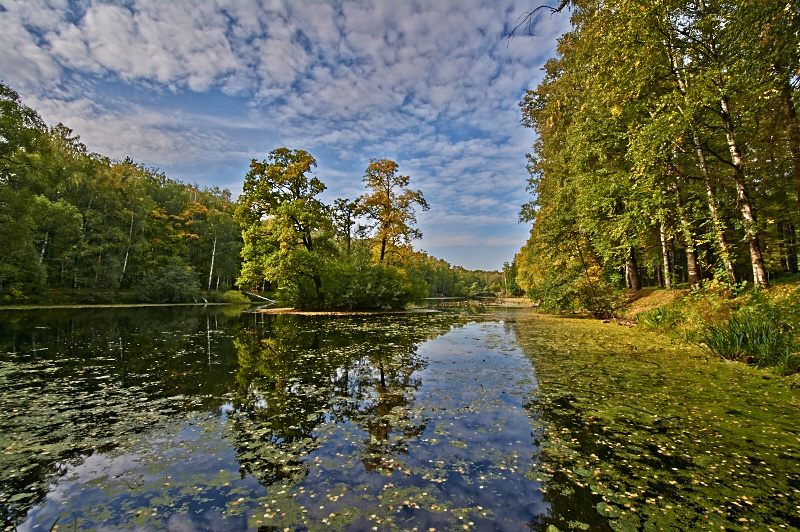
pixel 664 436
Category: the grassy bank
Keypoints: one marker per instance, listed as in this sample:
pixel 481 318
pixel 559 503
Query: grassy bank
pixel 753 326
pixel 657 434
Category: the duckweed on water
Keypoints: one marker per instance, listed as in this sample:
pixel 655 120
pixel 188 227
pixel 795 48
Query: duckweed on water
pixel 454 421
pixel 667 437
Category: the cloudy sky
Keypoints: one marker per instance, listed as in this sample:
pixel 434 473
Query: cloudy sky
pixel 198 88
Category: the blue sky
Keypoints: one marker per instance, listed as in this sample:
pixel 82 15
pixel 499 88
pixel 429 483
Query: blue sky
pixel 198 88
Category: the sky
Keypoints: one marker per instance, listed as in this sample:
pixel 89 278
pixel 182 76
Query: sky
pixel 199 88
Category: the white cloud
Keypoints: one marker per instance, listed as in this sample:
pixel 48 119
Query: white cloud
pixel 23 61
pixel 433 84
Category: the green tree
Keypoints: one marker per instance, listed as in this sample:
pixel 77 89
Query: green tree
pixel 345 212
pixel 390 207
pixel 285 227
pixel 662 131
pixel 174 283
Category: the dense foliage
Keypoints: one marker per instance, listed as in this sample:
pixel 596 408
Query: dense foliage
pixel 77 226
pixel 75 221
pixel 355 254
pixel 752 326
pixel 668 150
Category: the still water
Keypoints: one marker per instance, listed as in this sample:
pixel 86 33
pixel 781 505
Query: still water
pixel 195 419
pixel 463 419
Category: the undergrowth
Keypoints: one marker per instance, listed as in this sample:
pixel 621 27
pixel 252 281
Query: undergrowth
pixel 756 326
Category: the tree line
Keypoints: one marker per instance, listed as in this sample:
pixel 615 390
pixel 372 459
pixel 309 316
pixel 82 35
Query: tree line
pixel 77 221
pixel 74 222
pixel 667 151
pixel 353 254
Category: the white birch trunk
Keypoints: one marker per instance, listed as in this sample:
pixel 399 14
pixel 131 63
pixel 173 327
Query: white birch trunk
pixel 211 269
pixel 751 235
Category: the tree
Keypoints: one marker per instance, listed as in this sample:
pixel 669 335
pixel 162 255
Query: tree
pixel 665 143
pixel 345 212
pixel 286 229
pixel 390 207
pixel 174 283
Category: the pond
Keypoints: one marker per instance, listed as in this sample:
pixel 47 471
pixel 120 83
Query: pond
pixel 467 418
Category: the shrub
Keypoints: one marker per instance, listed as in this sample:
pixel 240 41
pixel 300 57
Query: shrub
pixel 355 286
pixel 174 283
pixel 747 338
pixel 234 296
pixel 660 319
pixel 789 364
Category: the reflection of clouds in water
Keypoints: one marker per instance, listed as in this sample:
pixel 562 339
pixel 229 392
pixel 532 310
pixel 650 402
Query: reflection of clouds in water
pixel 422 410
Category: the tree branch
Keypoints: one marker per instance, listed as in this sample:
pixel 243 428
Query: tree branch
pixel 529 16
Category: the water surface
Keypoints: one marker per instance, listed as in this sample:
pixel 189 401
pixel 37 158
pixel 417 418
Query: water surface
pixel 467 419
pixel 189 419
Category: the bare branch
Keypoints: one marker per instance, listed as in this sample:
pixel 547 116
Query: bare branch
pixel 528 18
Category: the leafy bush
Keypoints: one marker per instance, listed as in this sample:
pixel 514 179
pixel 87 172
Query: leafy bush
pixel 174 283
pixel 660 319
pixel 234 296
pixel 358 286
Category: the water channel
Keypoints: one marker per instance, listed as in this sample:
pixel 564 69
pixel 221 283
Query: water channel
pixel 463 418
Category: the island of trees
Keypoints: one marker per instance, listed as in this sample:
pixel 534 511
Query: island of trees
pixel 76 226
pixel 668 151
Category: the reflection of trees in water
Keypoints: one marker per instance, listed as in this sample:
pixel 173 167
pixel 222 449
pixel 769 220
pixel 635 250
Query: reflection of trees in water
pixel 569 501
pixel 385 413
pixel 77 381
pixel 296 373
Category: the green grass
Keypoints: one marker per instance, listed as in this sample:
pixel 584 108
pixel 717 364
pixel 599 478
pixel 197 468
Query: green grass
pixel 660 319
pixel 747 338
pixel 755 326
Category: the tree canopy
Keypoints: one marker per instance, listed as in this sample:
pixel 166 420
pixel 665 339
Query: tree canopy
pixel 286 228
pixel 389 206
pixel 666 135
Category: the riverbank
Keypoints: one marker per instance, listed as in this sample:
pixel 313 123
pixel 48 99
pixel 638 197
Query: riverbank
pixel 59 298
pixel 754 326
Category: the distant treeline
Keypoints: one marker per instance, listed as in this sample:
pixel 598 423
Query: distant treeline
pixel 76 222
pixel 668 150
pixel 71 219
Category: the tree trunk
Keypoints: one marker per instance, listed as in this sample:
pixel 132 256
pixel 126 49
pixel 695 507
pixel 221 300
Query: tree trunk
pixel 44 247
pixel 383 250
pixel 793 133
pixel 211 269
pixel 746 206
pixel 631 272
pixel 790 246
pixel 127 251
pixel 693 277
pixel 665 256
pixel 719 226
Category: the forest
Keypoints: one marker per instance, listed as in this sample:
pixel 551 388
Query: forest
pixel 667 151
pixel 78 227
